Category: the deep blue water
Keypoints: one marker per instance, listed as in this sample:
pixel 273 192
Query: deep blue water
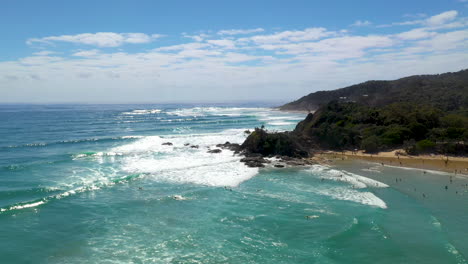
pixel 95 184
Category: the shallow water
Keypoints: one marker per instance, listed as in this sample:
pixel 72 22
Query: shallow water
pixel 94 184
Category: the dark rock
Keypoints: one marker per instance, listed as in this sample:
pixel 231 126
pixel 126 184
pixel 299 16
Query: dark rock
pixel 167 143
pixel 279 166
pixel 186 144
pixel 230 146
pixel 257 161
pixel 253 155
pixel 255 165
pixel 247 132
pixel 295 163
pixel 266 144
pixel 214 151
pixel 283 158
pixel 194 146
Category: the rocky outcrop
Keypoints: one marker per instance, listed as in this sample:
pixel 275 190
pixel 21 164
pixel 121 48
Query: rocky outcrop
pixel 285 149
pixel 272 144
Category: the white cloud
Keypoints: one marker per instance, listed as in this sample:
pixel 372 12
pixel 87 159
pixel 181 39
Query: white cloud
pixel 437 21
pixel 291 36
pixel 240 31
pixel 442 18
pixel 198 38
pixel 446 41
pixel 86 53
pixel 360 23
pixel 44 53
pixel 226 43
pixel 100 39
pixel 417 33
pixel 187 46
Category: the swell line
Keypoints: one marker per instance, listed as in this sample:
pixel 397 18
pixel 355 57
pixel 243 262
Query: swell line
pixel 82 189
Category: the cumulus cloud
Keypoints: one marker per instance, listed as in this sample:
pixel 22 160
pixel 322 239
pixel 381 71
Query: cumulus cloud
pixel 100 39
pixel 240 31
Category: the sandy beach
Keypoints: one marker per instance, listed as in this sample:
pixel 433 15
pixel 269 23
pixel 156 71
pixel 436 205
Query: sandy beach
pixel 457 165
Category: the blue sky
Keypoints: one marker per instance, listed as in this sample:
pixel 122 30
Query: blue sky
pixel 179 51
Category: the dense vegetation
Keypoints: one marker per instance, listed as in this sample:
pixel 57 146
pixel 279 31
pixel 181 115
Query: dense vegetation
pixel 417 128
pixel 448 92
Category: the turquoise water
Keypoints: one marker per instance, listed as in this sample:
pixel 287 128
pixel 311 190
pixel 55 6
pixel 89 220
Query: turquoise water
pixel 94 184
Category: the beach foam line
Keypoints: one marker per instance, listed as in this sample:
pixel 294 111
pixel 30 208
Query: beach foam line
pixel 422 170
pixel 346 194
pixel 355 181
pixel 91 187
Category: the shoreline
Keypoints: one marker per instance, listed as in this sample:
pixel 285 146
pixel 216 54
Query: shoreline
pixel 450 164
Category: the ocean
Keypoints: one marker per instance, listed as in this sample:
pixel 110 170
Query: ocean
pixel 96 184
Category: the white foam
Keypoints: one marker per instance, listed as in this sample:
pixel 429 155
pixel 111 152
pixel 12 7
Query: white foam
pixel 179 197
pixel 353 180
pixel 193 166
pixel 280 123
pixel 422 170
pixel 269 118
pixel 357 181
pixel 218 111
pixel 29 205
pixel 143 112
pixel 131 137
pixel 182 164
pixel 347 194
pixel 145 144
pixel 154 144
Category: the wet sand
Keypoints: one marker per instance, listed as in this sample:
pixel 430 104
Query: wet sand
pixel 457 165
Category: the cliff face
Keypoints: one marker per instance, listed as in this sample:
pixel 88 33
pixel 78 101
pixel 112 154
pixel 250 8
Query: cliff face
pixel 448 91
